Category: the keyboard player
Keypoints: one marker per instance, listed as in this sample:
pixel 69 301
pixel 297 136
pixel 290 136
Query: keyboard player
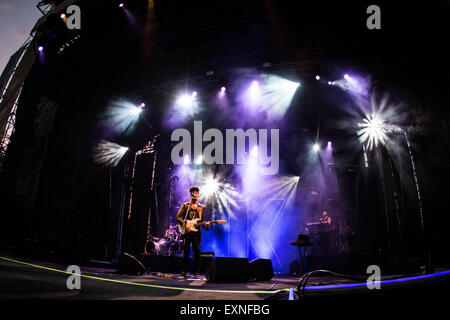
pixel 321 229
pixel 325 217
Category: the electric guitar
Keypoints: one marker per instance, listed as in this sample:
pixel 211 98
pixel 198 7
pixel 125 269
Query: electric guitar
pixel 193 224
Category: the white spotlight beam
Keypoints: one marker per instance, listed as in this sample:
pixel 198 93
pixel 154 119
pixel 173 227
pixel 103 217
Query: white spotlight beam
pixel 109 153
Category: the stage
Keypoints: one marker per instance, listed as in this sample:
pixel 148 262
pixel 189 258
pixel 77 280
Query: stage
pixel 24 278
pixel 295 150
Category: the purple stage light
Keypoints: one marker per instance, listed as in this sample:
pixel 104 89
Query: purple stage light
pixel 142 105
pixel 254 89
pixel 329 143
pixel 317 77
pixel 194 93
pixel 121 5
pixel 40 48
pixel 186 159
pixel 346 77
pixel 222 92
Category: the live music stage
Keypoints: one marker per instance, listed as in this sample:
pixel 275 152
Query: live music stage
pixel 238 150
pixel 29 279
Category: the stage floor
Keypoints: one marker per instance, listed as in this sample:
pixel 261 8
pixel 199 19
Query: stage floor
pixel 22 278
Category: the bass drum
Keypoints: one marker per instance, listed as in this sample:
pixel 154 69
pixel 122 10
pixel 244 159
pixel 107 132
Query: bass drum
pixel 162 247
pixel 150 248
pixel 157 248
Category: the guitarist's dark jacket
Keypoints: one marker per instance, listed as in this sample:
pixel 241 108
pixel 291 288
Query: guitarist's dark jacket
pixel 182 212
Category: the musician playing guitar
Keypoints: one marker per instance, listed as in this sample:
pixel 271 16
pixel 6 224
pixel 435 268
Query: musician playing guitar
pixel 189 211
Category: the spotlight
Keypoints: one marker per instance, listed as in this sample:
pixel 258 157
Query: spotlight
pixel 346 77
pixel 185 101
pixel 210 187
pixel 254 151
pixel 293 85
pixel 62 16
pixel 199 159
pixel 122 114
pixel 186 159
pixel 372 131
pixel 329 143
pixel 40 48
pixel 254 90
pixel 329 82
pixel 109 153
pixel 135 111
pixel 222 92
pixel 121 5
pixel 194 93
pixel 317 77
pixel 316 147
pixel 142 105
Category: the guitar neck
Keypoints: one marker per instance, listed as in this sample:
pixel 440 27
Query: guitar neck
pixel 207 221
pixel 200 223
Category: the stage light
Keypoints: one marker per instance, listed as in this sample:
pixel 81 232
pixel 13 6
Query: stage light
pixel 253 94
pixel 277 95
pixel 142 105
pixel 223 195
pixel 186 105
pixel 346 77
pixel 121 5
pixel 199 159
pixel 329 82
pixel 135 111
pixel 373 131
pixel 40 48
pixel 186 159
pixel 254 151
pixel 122 115
pixel 210 187
pixel 317 77
pixel 185 101
pixel 316 147
pixel 329 143
pixel 109 153
pixel 221 93
pixel 62 16
pixel 194 93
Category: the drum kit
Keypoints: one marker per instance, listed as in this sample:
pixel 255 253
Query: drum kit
pixel 169 246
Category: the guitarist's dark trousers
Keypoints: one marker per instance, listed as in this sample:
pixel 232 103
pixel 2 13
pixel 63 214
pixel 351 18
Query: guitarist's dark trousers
pixel 195 239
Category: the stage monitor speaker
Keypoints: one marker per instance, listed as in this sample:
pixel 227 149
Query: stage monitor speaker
pixel 261 269
pixel 228 270
pixel 128 264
